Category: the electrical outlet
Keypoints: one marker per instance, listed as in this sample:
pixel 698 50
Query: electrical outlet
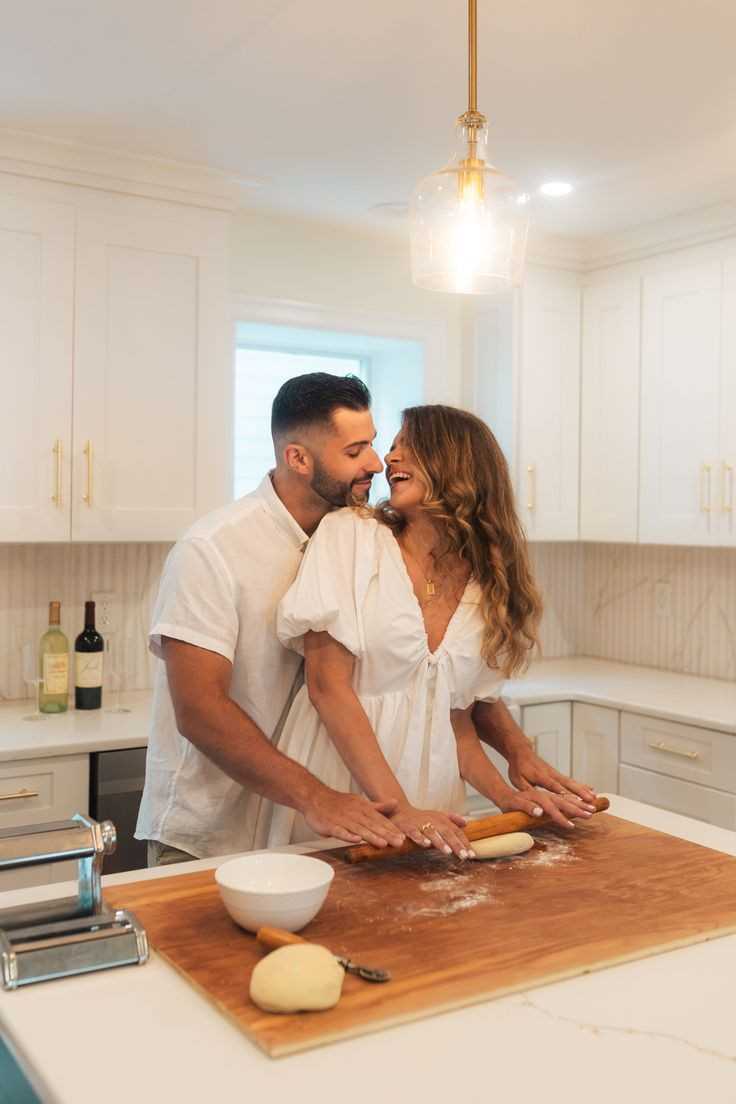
pixel 663 598
pixel 107 611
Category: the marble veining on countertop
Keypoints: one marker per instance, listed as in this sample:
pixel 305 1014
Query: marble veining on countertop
pixel 658 1028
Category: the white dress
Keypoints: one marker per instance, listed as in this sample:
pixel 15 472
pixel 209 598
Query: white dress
pixel 353 584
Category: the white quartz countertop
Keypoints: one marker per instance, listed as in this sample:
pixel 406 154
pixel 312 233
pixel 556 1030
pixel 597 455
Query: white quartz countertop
pixel 709 703
pixel 76 731
pixel 657 1029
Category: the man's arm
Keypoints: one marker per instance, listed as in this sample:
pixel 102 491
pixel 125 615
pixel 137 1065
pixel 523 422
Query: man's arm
pixel 497 728
pixel 206 715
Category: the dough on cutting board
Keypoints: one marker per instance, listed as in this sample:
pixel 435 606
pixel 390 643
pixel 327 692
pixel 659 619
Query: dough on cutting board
pixel 493 847
pixel 302 977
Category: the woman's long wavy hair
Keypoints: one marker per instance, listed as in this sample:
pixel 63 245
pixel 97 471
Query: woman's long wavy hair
pixel 469 495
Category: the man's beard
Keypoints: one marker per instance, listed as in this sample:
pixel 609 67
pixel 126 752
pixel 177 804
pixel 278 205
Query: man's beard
pixel 334 491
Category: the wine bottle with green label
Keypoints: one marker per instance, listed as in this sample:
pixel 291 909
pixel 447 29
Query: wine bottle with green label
pixel 53 652
pixel 88 653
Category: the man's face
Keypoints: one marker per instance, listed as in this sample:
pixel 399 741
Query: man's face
pixel 343 457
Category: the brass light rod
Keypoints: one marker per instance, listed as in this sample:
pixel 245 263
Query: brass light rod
pixel 472 55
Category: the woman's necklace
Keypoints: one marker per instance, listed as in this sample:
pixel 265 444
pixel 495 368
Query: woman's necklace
pixel 430 589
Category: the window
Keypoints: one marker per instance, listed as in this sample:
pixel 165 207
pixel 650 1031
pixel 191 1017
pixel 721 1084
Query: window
pixel 266 356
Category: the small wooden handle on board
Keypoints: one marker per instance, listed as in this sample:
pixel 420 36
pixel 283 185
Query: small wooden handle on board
pixel 277 937
pixel 497 825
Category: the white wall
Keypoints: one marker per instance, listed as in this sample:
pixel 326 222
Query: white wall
pixel 304 262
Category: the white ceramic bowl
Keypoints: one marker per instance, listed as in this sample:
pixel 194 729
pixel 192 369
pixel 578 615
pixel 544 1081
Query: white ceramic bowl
pixel 283 891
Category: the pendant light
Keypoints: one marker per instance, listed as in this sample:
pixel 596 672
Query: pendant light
pixel 468 221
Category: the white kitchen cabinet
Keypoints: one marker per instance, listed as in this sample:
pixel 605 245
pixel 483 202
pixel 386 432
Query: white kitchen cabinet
pixel 150 423
pixel 680 396
pixel 36 327
pixel 115 350
pixel 595 746
pixel 34 791
pixel 549 406
pixel 686 798
pixel 609 426
pixel 549 727
pixel 726 474
pixel 684 751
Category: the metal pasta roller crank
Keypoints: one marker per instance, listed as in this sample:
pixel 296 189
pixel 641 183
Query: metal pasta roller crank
pixel 70 935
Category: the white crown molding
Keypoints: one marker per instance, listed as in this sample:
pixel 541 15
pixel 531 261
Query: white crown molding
pixel 554 251
pixel 30 155
pixel 683 231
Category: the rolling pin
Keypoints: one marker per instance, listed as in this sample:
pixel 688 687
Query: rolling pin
pixel 497 825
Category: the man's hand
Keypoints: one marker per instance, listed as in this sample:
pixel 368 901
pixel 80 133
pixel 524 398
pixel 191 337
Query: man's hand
pixel 527 769
pixel 351 818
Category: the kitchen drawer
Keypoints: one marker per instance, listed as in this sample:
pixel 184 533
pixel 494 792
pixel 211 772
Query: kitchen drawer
pixel 693 754
pixel 687 798
pixel 33 791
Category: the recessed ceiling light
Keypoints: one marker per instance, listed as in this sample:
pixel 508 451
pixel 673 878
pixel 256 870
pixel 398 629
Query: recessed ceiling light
pixel 556 188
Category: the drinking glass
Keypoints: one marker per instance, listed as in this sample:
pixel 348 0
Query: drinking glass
pixel 115 678
pixel 31 678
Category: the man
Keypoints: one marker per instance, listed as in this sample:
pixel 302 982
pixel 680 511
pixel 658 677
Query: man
pixel 226 682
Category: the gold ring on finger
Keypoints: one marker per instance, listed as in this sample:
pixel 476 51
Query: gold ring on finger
pixel 428 827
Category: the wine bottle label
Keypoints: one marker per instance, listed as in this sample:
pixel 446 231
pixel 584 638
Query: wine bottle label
pixel 56 673
pixel 89 669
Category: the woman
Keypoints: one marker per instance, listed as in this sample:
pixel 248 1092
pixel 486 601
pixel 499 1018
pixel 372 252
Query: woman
pixel 406 616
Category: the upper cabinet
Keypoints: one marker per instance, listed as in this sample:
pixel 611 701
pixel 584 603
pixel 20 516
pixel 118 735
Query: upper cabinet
pixel 527 387
pixel 149 348
pixel 685 488
pixel 115 347
pixel 549 406
pixel 609 424
pixel 36 333
pixel 724 478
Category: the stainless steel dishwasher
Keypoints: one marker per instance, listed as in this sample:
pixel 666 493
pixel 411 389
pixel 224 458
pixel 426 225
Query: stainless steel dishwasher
pixel 116 785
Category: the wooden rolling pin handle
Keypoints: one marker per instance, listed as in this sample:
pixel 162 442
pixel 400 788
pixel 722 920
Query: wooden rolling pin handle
pixel 498 825
pixel 277 937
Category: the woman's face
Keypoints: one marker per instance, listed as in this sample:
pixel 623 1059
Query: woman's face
pixel 408 489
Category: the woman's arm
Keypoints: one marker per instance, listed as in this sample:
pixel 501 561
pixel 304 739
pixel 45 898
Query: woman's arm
pixel 329 675
pixel 477 769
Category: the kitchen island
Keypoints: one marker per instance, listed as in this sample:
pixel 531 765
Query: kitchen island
pixel 657 1028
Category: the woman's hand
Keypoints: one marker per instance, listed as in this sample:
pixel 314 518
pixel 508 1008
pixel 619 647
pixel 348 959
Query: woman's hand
pixel 430 828
pixel 537 803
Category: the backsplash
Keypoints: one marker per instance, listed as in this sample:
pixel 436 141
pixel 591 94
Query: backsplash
pixel 658 606
pixel 601 600
pixel 31 575
pixel 667 607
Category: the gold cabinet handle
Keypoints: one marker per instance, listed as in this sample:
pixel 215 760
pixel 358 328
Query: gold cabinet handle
pixel 19 794
pixel 727 500
pixel 660 745
pixel 531 488
pixel 90 460
pixel 705 503
pixel 57 450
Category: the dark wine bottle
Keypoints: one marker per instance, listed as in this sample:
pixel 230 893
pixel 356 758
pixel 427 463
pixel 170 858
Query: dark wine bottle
pixel 88 648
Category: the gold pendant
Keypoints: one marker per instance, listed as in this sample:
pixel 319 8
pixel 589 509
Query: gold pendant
pixel 430 588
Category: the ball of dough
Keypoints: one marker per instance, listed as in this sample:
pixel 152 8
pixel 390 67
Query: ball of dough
pixel 301 977
pixel 493 847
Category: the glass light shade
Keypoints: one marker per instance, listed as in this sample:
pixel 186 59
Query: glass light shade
pixel 469 225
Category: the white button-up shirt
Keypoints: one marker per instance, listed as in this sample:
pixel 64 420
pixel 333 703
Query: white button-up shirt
pixel 220 589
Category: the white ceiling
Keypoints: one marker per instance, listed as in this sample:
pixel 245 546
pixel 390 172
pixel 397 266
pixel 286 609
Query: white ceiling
pixel 339 106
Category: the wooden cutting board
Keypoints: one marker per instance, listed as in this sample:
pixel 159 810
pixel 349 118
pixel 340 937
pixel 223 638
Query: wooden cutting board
pixel 454 933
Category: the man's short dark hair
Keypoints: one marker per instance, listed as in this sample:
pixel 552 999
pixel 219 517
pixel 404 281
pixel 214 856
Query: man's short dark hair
pixel 311 400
